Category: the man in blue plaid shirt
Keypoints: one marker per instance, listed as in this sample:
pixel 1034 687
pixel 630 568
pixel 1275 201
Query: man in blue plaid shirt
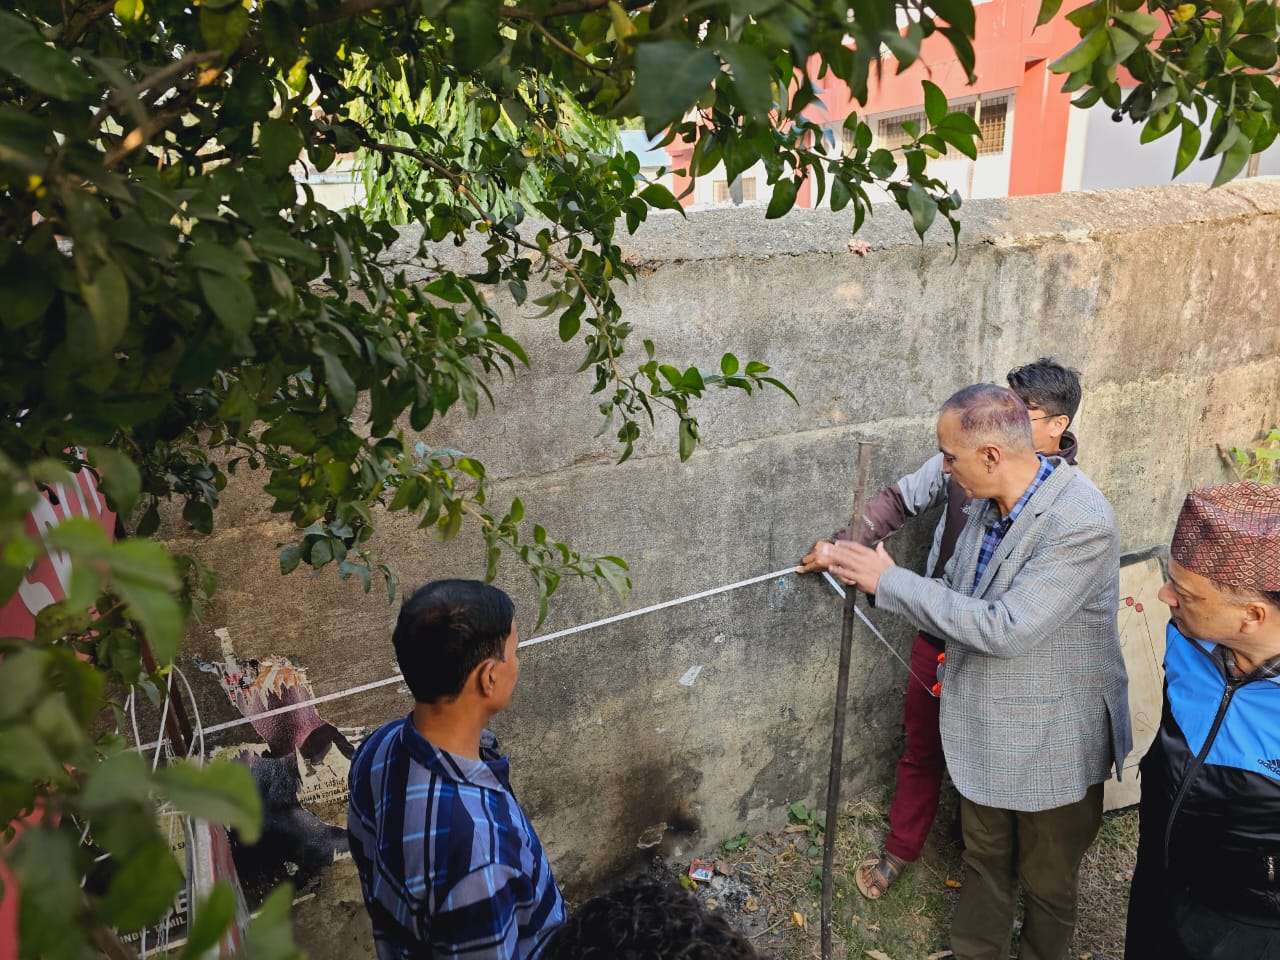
pixel 449 864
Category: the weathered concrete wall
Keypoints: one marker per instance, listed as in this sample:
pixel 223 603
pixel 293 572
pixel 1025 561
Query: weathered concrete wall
pixel 1161 297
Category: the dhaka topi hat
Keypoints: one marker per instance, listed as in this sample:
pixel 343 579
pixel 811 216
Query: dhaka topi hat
pixel 1231 534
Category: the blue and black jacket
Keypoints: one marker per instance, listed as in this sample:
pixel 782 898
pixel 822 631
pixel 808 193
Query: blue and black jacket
pixel 1210 814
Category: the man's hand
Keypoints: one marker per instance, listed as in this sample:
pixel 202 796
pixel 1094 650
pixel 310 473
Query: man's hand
pixel 852 563
pixel 817 559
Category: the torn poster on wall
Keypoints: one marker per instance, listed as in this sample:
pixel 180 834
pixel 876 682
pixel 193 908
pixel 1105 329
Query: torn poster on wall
pixel 301 771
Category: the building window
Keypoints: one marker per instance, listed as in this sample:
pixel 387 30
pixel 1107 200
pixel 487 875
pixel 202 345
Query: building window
pixel 891 134
pixel 720 192
pixel 992 117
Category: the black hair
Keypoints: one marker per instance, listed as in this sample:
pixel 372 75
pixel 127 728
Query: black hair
pixel 991 413
pixel 1049 386
pixel 447 629
pixel 646 919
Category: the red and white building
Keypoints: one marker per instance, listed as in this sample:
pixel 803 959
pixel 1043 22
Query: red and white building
pixel 1033 142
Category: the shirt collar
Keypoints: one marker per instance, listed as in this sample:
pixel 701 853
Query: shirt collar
pixel 1002 524
pixel 492 774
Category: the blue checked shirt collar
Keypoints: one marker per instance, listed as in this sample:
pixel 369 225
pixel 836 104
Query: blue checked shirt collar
pixel 492 771
pixel 997 528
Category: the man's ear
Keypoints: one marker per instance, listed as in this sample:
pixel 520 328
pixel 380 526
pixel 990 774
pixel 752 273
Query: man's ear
pixel 1058 425
pixel 485 680
pixel 1256 616
pixel 990 455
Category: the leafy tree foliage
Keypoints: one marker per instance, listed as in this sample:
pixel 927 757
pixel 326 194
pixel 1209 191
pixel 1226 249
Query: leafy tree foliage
pixel 176 309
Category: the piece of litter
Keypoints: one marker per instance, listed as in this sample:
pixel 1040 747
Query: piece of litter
pixel 702 870
pixel 953 884
pixel 690 676
pixel 798 919
pixel 877 955
pixel 858 247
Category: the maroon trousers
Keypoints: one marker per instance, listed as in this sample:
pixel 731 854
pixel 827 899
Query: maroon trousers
pixel 919 782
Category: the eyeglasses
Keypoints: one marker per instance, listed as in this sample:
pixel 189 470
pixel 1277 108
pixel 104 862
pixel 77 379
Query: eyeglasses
pixel 1047 416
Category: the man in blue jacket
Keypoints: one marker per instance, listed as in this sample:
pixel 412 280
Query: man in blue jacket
pixel 1207 882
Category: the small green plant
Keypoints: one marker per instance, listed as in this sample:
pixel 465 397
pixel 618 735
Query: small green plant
pixel 736 843
pixel 1260 462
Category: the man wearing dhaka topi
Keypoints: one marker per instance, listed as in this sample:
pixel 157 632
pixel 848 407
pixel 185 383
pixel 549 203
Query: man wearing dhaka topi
pixel 1207 883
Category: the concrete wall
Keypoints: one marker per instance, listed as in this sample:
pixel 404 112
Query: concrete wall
pixel 1163 298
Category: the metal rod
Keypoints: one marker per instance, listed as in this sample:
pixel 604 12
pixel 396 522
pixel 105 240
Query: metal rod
pixel 842 693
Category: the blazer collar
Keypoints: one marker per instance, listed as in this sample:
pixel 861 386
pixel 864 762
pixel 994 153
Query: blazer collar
pixel 1040 501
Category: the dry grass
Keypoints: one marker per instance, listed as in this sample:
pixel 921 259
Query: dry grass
pixel 773 881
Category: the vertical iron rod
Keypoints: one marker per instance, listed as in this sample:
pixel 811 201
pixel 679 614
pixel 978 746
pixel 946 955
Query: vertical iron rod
pixel 842 692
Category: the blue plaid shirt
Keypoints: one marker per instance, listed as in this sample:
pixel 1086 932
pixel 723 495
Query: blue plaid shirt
pixel 996 531
pixel 449 864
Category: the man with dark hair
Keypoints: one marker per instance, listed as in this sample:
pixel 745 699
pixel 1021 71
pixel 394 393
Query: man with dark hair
pixel 1051 393
pixel 449 864
pixel 1034 694
pixel 1207 882
pixel 645 919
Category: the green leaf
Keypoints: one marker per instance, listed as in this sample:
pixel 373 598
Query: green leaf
pixel 119 478
pixel 728 364
pixel 656 195
pixel 144 888
pixel 783 199
pixel 123 779
pixel 1048 10
pixel 670 77
pixel 1258 52
pixel 923 209
pixel 25 55
pixel 230 299
pixel 881 164
pixel 279 143
pixel 1233 160
pixel 338 381
pixel 1083 53
pixel 22 681
pixel 688 437
pixel 209 920
pixel 43 860
pixel 752 77
pixel 24 755
pixel 107 297
pixel 290 557
pixel 199 516
pixel 222 792
pixel 270 935
pixel 143 574
pixel 935 102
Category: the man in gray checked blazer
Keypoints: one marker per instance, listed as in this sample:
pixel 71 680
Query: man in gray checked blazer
pixel 1034 690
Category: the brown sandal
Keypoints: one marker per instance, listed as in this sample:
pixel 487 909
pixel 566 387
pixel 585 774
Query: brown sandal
pixel 873 877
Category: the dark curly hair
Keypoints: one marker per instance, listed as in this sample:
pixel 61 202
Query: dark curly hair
pixel 646 919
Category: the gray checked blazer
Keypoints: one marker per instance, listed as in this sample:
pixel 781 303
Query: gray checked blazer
pixel 1034 690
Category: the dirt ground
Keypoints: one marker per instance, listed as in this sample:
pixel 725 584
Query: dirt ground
pixel 769 887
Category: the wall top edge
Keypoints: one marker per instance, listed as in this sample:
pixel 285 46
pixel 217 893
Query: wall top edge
pixel 744 233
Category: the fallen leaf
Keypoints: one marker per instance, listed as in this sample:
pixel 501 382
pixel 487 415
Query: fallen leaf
pixel 941 955
pixel 712 903
pixel 873 928
pixel 750 906
pixel 798 919
pixel 796 828
pixel 877 955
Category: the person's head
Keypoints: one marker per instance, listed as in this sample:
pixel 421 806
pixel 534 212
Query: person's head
pixel 1051 393
pixel 980 429
pixel 1224 569
pixel 456 637
pixel 646 919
